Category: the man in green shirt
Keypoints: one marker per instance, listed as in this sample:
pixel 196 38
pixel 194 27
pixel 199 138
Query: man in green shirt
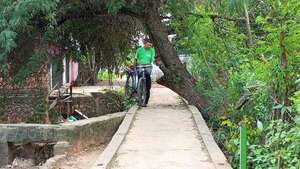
pixel 145 57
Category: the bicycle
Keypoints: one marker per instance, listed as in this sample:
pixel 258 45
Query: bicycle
pixel 136 83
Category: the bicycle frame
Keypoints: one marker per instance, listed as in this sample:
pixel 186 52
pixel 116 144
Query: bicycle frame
pixel 137 73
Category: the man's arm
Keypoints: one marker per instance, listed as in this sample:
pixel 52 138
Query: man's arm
pixel 137 53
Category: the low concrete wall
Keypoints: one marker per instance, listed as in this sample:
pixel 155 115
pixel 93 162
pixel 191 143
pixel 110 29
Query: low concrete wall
pixel 28 106
pixel 98 103
pixel 79 134
pixel 105 159
pixel 94 130
pixel 217 156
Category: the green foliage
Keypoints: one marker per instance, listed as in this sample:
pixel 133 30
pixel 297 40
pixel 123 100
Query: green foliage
pixel 280 150
pixel 7 39
pixel 296 100
pixel 55 22
pixel 230 73
pixel 129 102
pixel 114 6
pixel 296 105
pixel 238 5
pixel 105 75
pixel 19 16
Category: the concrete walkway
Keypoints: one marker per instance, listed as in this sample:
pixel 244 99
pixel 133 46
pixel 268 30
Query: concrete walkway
pixel 163 136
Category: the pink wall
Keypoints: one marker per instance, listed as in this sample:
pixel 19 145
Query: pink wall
pixel 73 71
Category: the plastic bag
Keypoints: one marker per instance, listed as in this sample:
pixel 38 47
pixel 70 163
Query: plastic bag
pixel 156 73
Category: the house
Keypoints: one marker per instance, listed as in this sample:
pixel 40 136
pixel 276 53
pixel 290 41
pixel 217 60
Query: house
pixel 69 72
pixel 26 102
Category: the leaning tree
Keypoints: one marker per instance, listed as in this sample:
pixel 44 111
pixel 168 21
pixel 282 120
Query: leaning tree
pixel 107 27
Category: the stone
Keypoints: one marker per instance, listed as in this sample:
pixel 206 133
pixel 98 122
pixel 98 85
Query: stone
pixel 61 148
pixel 21 162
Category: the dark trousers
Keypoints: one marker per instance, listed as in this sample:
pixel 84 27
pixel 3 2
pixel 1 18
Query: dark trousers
pixel 148 86
pixel 148 82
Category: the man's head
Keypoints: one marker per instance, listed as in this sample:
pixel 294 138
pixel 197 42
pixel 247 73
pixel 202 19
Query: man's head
pixel 147 43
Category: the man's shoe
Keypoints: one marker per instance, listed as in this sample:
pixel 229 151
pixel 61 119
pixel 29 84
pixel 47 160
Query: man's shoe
pixel 143 105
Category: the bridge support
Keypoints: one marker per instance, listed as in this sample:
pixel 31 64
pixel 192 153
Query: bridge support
pixel 6 155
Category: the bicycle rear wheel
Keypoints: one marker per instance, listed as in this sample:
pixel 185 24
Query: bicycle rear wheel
pixel 142 92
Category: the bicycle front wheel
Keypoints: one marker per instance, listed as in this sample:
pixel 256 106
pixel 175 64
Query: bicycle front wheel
pixel 142 92
pixel 129 86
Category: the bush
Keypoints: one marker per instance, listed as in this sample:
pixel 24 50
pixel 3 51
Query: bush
pixel 280 149
pixel 105 76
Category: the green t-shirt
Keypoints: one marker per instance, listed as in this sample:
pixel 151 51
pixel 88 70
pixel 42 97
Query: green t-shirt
pixel 144 56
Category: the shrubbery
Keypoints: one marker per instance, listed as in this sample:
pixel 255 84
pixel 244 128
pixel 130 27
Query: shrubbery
pixel 250 84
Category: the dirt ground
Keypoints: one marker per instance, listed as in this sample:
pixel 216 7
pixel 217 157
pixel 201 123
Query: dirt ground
pixel 81 160
pixel 20 163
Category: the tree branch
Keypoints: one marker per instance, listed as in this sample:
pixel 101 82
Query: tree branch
pixel 92 14
pixel 212 16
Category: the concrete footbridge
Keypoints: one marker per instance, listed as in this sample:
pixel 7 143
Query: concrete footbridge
pixel 168 134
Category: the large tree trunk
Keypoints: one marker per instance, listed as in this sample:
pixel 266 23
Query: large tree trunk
pixel 177 78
